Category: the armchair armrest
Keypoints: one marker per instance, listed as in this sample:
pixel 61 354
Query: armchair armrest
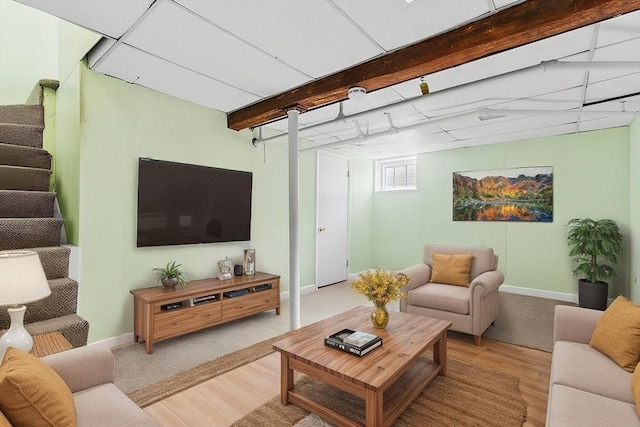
pixel 83 367
pixel 574 324
pixel 488 282
pixel 418 275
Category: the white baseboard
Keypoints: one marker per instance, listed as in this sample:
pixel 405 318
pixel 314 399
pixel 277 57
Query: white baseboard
pixel 561 296
pixel 116 341
pixel 303 290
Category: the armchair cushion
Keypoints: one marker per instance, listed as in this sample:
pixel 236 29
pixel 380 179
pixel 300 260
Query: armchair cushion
pixel 617 333
pixel 451 269
pixel 483 258
pixel 32 394
pixel 441 297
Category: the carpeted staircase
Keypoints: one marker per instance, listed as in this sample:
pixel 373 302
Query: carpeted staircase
pixel 27 222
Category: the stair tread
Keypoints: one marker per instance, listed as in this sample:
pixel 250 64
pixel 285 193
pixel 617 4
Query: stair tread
pixel 19 155
pixel 22 114
pixel 24 178
pixel 24 233
pixel 26 204
pixel 54 260
pixel 24 135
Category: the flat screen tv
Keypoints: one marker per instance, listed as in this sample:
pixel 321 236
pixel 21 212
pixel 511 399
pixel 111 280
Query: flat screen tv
pixel 182 204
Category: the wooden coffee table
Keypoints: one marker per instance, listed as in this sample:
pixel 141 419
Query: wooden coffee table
pixel 388 378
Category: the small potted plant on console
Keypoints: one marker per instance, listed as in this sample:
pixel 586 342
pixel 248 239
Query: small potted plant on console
pixel 171 275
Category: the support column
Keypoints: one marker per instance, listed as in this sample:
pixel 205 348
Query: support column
pixel 294 235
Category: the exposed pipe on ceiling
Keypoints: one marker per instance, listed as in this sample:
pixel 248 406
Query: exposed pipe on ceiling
pixel 544 66
pixel 481 113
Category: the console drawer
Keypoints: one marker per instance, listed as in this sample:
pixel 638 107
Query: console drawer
pixel 181 321
pixel 235 308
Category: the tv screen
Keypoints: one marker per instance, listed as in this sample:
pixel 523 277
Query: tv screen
pixel 181 204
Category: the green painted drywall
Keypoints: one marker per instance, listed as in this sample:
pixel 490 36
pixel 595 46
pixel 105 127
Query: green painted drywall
pixel 634 211
pixel 121 122
pixel 591 179
pixel 360 214
pixel 28 50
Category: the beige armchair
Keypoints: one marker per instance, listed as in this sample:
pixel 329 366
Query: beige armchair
pixel 470 309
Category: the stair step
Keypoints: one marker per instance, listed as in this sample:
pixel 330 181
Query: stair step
pixel 26 204
pixel 25 233
pixel 61 302
pixel 73 327
pixel 22 114
pixel 18 155
pixel 55 261
pixel 21 178
pixel 25 135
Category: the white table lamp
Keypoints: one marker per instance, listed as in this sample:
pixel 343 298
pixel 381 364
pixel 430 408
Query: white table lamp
pixel 22 280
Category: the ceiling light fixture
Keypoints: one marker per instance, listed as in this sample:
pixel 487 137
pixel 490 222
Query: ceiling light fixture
pixel 356 92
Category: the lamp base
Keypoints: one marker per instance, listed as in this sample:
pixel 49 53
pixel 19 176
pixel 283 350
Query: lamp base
pixel 16 336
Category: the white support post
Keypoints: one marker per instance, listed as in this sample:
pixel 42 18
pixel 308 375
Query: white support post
pixel 294 236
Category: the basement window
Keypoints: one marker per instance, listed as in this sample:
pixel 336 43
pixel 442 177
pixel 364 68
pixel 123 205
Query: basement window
pixel 396 174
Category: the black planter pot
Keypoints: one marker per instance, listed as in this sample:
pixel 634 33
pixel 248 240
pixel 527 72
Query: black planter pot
pixel 593 295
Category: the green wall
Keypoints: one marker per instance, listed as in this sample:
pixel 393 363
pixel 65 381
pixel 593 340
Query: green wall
pixel 121 122
pixel 591 179
pixel 28 50
pixel 634 211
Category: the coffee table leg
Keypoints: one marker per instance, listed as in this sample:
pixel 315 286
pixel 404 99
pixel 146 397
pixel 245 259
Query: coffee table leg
pixel 373 408
pixel 440 353
pixel 286 379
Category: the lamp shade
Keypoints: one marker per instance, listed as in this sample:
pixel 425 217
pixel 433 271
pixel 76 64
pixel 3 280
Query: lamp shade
pixel 22 279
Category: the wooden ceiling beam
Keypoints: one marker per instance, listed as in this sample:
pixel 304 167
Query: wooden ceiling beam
pixel 515 26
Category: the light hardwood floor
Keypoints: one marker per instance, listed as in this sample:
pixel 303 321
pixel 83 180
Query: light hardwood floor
pixel 226 398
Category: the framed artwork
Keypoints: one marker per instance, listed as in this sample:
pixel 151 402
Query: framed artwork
pixel 515 194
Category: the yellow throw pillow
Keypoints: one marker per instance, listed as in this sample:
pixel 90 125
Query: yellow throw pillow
pixel 451 269
pixel 635 387
pixel 32 394
pixel 617 333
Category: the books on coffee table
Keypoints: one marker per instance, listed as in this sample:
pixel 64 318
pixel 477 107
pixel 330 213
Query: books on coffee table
pixel 354 342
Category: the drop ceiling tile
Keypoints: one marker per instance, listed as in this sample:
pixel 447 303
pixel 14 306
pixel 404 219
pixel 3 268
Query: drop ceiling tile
pixel 394 24
pixel 503 3
pixel 311 36
pixel 508 126
pixel 177 35
pixel 624 51
pixel 109 17
pixel 605 123
pixel 560 129
pixel 630 104
pixel 619 29
pixel 607 89
pixel 371 100
pixel 135 66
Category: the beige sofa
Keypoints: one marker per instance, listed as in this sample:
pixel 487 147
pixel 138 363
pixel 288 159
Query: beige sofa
pixel 89 373
pixel 586 387
pixel 470 309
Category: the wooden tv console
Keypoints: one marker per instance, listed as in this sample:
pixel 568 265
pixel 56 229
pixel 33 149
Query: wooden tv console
pixel 160 313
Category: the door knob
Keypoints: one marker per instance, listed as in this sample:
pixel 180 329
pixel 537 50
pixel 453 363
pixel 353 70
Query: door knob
pixel 321 229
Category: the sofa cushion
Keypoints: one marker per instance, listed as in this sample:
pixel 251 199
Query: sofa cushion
pixel 106 405
pixel 581 366
pixel 570 407
pixel 635 387
pixel 441 297
pixel 617 333
pixel 451 269
pixel 483 258
pixel 31 393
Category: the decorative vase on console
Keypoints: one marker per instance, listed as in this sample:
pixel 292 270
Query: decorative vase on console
pixel 380 287
pixel 249 262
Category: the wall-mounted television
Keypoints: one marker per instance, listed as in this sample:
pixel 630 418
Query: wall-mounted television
pixel 182 204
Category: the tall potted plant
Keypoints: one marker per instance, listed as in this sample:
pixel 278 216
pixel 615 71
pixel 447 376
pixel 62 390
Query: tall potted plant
pixel 590 244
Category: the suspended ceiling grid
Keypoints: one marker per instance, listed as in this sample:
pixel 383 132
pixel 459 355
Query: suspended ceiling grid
pixel 229 54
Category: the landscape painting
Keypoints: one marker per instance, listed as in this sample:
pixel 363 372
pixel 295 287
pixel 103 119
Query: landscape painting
pixel 517 194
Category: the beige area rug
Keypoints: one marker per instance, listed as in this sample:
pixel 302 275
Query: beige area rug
pixel 467 396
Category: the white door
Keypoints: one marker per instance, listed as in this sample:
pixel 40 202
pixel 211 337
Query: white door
pixel 332 226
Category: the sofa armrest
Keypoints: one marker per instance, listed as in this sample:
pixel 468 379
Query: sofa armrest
pixel 489 281
pixel 574 324
pixel 418 275
pixel 83 367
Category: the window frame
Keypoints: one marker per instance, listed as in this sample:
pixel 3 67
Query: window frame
pixel 380 165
